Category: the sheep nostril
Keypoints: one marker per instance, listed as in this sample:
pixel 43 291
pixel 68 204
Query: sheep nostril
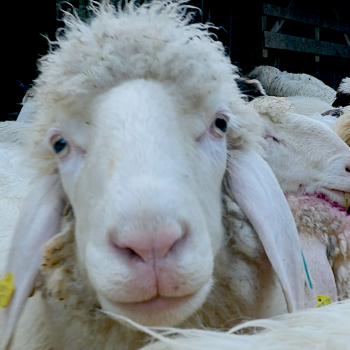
pixel 347 169
pixel 133 254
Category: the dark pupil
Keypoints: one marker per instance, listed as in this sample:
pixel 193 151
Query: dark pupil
pixel 221 124
pixel 59 145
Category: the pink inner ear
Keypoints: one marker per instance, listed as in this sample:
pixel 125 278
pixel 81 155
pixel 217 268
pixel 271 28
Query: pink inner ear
pixel 258 193
pixel 39 221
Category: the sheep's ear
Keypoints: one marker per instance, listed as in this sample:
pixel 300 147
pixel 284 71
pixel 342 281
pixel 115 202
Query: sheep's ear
pixel 27 112
pixel 342 100
pixel 256 190
pixel 39 221
pixel 250 88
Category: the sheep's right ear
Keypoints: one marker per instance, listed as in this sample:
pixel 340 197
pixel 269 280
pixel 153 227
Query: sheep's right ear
pixel 258 193
pixel 38 222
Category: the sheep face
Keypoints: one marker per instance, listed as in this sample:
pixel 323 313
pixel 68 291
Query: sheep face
pixel 305 153
pixel 132 113
pixel 149 235
pixel 142 168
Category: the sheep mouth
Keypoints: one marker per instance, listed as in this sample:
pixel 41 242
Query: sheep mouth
pixel 155 305
pixel 160 310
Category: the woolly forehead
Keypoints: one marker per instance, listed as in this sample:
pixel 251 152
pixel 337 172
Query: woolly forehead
pixel 152 43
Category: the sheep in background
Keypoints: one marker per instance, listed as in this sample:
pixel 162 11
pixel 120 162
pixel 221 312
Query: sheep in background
pixel 279 106
pixel 312 165
pixel 120 94
pixel 308 105
pixel 324 231
pixel 283 84
pixel 317 171
pixel 303 154
pixel 325 119
pixel 265 74
pixel 325 328
pixel 343 94
pixel 342 126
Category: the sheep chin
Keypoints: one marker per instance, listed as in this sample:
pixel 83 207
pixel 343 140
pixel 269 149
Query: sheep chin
pixel 159 311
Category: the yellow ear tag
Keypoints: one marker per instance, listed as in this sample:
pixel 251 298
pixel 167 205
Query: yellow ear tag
pixel 323 300
pixel 7 288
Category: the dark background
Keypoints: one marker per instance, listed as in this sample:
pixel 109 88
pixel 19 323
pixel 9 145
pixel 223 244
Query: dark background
pixel 240 30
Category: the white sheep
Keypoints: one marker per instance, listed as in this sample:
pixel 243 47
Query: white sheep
pixel 292 148
pixel 312 165
pixel 283 84
pixel 307 106
pixel 343 94
pixel 304 155
pixel 129 147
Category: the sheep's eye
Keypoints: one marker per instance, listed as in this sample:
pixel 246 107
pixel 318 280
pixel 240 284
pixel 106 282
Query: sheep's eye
pixel 220 126
pixel 60 146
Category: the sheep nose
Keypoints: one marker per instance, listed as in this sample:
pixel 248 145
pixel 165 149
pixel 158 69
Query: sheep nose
pixel 149 248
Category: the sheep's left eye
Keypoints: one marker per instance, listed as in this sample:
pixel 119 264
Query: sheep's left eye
pixel 60 146
pixel 220 126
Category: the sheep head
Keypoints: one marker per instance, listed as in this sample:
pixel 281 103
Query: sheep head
pixel 138 118
pixel 304 153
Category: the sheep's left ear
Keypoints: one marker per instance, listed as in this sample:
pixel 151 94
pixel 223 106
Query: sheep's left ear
pixel 256 190
pixel 250 88
pixel 39 221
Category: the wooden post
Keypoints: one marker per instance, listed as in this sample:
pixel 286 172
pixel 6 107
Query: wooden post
pixel 278 24
pixel 317 37
pixel 265 52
